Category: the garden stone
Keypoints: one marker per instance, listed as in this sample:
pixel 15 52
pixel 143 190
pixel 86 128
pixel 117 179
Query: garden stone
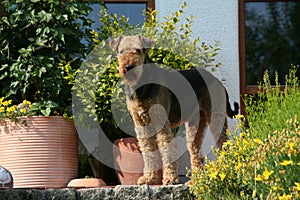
pixel 96 194
pixel 36 194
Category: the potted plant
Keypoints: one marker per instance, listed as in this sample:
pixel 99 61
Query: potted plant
pixel 41 44
pixel 97 82
pixel 40 151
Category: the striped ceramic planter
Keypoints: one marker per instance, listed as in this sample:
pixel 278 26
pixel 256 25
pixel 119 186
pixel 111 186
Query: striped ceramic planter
pixel 43 154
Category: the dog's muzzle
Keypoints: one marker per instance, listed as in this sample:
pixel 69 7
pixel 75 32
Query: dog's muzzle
pixel 129 67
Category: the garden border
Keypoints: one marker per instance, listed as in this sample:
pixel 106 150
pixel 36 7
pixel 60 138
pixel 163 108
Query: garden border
pixel 112 193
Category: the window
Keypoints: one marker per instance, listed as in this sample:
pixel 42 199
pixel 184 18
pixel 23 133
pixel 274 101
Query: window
pixel 269 40
pixel 133 9
pixel 149 3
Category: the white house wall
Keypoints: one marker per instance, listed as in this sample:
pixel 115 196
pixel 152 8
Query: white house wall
pixel 214 20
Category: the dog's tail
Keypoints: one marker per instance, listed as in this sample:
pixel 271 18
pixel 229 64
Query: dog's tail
pixel 231 113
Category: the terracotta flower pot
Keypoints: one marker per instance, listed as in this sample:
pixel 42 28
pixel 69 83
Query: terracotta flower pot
pixel 86 183
pixel 43 154
pixel 129 162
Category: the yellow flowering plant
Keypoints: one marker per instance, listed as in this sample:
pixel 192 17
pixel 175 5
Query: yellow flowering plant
pixel 277 163
pixel 261 161
pixel 8 110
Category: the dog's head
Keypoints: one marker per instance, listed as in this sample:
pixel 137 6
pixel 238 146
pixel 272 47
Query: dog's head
pixel 131 52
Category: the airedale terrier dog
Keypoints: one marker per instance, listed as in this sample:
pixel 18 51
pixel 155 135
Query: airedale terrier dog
pixel 159 100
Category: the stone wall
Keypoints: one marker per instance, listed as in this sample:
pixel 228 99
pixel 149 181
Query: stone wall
pixel 118 192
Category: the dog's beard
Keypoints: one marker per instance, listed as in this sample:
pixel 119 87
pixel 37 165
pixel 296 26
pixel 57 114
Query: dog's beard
pixel 134 75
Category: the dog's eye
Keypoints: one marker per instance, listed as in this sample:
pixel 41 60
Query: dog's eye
pixel 138 51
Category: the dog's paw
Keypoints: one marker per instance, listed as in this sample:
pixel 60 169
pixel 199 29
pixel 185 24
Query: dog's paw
pixel 173 180
pixel 148 180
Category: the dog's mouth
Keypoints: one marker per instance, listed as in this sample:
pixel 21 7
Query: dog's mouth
pixel 132 74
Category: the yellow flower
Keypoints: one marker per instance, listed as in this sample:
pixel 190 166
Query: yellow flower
pixel 228 142
pixel 238 166
pixel 257 141
pixel 267 174
pixel 259 178
pixel 275 188
pixel 11 109
pixel 285 197
pixel 291 145
pixel 6 103
pixel 1 100
pixel 244 181
pixel 286 162
pixel 26 102
pixel 222 176
pixel 2 109
pixel 23 110
pixel 297 186
pixel 213 174
pixel 239 116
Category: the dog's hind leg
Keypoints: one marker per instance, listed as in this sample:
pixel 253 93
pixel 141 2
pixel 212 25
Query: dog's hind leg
pixel 219 131
pixel 194 135
pixel 168 150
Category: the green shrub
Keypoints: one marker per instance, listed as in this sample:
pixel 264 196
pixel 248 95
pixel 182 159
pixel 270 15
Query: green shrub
pixel 36 37
pixel 263 161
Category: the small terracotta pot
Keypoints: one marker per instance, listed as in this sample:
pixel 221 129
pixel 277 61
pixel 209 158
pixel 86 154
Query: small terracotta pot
pixel 86 183
pixel 43 154
pixel 129 162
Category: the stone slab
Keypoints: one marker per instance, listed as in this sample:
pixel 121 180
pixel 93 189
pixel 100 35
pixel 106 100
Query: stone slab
pixel 120 192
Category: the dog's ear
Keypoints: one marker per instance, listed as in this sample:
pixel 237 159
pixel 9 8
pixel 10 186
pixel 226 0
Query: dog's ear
pixel 114 43
pixel 147 43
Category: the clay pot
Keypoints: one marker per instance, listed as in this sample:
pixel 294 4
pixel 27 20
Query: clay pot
pixel 86 183
pixel 43 154
pixel 129 162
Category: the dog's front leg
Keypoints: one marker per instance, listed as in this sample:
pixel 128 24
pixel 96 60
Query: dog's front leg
pixel 168 150
pixel 151 157
pixel 146 135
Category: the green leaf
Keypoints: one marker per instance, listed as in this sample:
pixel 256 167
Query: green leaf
pixel 44 17
pixel 3 75
pixel 46 112
pixel 34 1
pixel 41 71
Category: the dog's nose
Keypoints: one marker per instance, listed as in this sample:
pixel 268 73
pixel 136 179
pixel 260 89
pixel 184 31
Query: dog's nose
pixel 129 67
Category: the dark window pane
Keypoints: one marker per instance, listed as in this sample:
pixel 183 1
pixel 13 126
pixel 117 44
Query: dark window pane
pixel 133 11
pixel 272 33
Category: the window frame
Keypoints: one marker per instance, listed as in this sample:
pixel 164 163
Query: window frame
pixel 150 4
pixel 244 88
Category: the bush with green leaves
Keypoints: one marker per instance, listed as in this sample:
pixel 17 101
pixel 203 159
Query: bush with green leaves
pixel 172 47
pixel 263 161
pixel 36 36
